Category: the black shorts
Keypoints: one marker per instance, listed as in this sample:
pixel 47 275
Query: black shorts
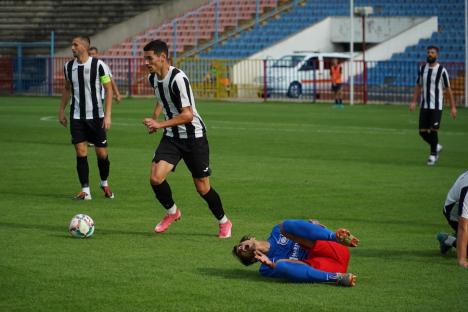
pixel 194 152
pixel 429 118
pixel 88 130
pixel 336 87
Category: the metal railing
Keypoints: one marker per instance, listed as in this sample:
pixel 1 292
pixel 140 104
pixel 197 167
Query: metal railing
pixel 290 80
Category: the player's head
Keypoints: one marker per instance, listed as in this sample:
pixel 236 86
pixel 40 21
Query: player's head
pixel 93 51
pixel 80 45
pixel 245 250
pixel 335 61
pixel 156 55
pixel 432 53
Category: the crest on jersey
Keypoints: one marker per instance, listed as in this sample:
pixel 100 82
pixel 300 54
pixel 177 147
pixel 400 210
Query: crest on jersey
pixel 282 240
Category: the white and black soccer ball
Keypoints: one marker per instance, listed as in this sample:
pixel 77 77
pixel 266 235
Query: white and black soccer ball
pixel 81 226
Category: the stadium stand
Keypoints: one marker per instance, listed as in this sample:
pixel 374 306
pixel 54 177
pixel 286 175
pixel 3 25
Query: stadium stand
pixel 194 27
pixel 26 20
pixel 450 15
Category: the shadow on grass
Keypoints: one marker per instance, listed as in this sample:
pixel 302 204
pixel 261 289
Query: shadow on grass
pixel 238 274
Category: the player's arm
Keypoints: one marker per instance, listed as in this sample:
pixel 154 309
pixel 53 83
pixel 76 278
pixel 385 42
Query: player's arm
pixel 416 94
pixel 448 89
pixel 462 234
pixel 180 87
pixel 157 111
pixel 185 116
pixel 105 78
pixel 108 105
pixel 63 103
pixel 453 106
pixel 116 91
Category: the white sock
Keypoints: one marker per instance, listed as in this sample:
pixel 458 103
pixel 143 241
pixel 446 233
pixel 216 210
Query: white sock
pixel 172 210
pixel 86 190
pixel 449 241
pixel 223 220
pixel 104 183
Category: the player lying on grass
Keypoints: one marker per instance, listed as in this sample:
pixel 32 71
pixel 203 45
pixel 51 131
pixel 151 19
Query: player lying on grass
pixel 301 251
pixel 456 213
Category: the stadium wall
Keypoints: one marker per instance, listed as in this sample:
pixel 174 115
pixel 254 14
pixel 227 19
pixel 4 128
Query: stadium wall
pixel 120 32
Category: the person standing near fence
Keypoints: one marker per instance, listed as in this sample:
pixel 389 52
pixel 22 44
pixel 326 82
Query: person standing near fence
pixel 84 77
pixel 184 138
pixel 93 52
pixel 335 74
pixel 432 80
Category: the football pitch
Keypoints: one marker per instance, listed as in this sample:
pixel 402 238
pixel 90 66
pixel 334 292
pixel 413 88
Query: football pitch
pixel 361 167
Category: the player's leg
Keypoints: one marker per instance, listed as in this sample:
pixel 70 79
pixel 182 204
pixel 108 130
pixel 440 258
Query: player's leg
pixel 447 241
pixel 294 229
pixel 435 119
pixel 340 95
pixel 165 160
pixel 79 140
pixel 98 137
pixel 82 169
pixel 198 162
pixel 301 272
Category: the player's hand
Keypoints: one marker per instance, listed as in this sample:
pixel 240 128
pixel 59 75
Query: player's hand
pixel 463 264
pixel 118 98
pixel 62 119
pixel 412 106
pixel 261 257
pixel 106 123
pixel 453 112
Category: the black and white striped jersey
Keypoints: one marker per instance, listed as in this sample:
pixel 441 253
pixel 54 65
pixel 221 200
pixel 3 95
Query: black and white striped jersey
pixel 457 198
pixel 433 81
pixel 86 81
pixel 174 93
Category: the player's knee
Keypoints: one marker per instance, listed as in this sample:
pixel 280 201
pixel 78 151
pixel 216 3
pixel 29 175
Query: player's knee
pixel 202 189
pixel 156 180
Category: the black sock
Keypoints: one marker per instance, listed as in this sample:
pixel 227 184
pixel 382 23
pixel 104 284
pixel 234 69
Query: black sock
pixel 336 101
pixel 214 203
pixel 83 170
pixel 340 101
pixel 104 166
pixel 425 136
pixel 434 140
pixel 163 194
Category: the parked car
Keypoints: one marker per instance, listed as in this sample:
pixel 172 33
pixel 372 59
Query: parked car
pixel 301 73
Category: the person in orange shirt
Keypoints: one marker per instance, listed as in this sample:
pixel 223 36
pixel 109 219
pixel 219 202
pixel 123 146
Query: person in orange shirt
pixel 335 73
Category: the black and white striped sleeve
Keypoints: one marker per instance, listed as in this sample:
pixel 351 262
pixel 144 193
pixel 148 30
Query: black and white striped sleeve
pixel 445 78
pixel 65 72
pixel 420 72
pixel 181 88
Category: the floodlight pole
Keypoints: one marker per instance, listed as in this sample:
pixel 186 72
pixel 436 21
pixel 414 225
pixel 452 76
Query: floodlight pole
pixel 351 52
pixel 364 68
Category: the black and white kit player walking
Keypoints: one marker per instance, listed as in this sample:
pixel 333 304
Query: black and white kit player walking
pixel 184 138
pixel 89 121
pixel 431 83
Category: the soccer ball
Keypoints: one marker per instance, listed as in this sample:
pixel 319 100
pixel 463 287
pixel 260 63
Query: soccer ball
pixel 81 226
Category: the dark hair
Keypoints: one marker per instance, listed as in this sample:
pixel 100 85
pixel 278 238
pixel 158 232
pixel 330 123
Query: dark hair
pixel 93 48
pixel 243 258
pixel 157 46
pixel 84 38
pixel 433 47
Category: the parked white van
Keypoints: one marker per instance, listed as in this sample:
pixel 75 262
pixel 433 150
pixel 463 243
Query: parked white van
pixel 302 73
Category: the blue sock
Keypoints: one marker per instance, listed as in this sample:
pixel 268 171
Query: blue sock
pixel 301 272
pixel 307 230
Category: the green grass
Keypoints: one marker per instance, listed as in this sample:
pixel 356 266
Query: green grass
pixel 362 168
